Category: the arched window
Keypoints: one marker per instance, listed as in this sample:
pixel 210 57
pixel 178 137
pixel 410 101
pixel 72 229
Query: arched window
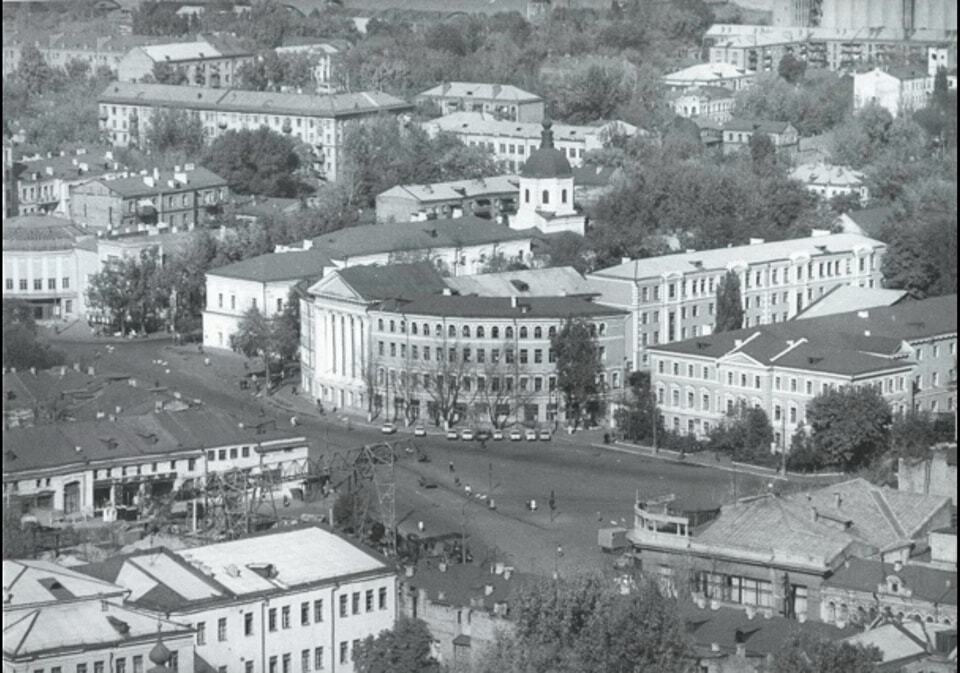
pixel 380 324
pixel 508 332
pixel 831 612
pixel 403 326
pixel 563 196
pixel 546 197
pixel 452 332
pixel 426 329
pixel 494 332
pixel 413 328
pixel 465 331
pixel 480 332
pixel 393 326
pixel 438 330
pixel 603 328
pixel 538 332
pixel 552 332
pixel 526 196
pixel 523 332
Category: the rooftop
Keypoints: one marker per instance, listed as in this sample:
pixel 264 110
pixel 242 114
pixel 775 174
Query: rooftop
pixel 870 221
pixel 376 283
pixel 827 174
pixel 497 92
pixel 455 189
pixel 199 98
pixel 757 126
pixel 135 185
pixel 707 72
pixel 902 641
pixel 847 298
pixel 464 584
pixel 277 266
pixel 924 583
pixel 719 259
pixel 173 52
pixel 471 306
pixel 67 166
pixel 41 232
pixel 481 124
pixel 30 583
pixel 563 280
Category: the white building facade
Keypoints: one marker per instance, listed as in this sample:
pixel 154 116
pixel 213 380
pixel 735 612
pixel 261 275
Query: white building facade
pixel 897 90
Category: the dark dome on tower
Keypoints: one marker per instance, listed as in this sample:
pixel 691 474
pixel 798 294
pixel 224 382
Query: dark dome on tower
pixel 548 161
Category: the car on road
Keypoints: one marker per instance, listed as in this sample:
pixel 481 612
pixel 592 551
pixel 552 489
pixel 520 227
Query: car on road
pixel 483 435
pixel 467 435
pixel 419 431
pixel 389 429
pixel 452 434
pixel 545 436
pixel 515 435
pixel 426 483
pixel 530 435
pixel 497 435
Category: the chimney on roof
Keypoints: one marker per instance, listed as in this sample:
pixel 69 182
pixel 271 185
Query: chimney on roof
pixel 90 371
pixel 408 571
pixel 487 589
pixel 866 332
pixel 442 566
pixel 742 650
pixel 49 170
pixel 75 161
pixel 714 647
pixel 514 301
pixel 78 448
pixel 863 314
pixel 447 292
pixel 156 172
pixel 897 566
pixel 33 370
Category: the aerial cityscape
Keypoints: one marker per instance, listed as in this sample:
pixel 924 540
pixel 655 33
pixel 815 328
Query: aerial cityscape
pixel 479 336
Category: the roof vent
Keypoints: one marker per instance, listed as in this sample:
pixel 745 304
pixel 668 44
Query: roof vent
pixel 78 448
pixel 863 314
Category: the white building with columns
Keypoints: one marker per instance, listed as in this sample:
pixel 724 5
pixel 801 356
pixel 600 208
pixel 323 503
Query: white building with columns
pixel 546 191
pixel 673 297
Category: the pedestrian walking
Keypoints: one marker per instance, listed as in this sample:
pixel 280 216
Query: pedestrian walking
pixel 451 466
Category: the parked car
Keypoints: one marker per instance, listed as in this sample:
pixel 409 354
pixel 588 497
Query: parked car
pixel 497 435
pixel 545 436
pixel 466 435
pixel 452 434
pixel 515 435
pixel 419 431
pixel 530 435
pixel 388 428
pixel 483 435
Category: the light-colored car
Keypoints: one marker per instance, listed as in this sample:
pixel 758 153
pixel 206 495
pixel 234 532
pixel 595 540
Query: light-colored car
pixel 530 435
pixel 452 434
pixel 497 435
pixel 419 431
pixel 515 435
pixel 388 429
pixel 545 436
pixel 467 435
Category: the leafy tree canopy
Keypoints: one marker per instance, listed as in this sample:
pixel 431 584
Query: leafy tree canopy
pixel 256 162
pixel 729 304
pixel 849 426
pixel 406 648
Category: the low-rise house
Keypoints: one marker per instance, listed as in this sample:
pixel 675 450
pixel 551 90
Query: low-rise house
pixel 57 619
pixel 256 208
pixel 303 596
pixel 590 182
pixel 782 368
pixel 911 647
pixel 708 101
pixel 111 467
pixel 488 197
pixel 465 606
pixel 513 142
pixel 898 90
pixel 847 299
pixel 863 589
pixel 47 262
pixel 178 199
pixel 209 62
pixel 737 134
pixel 44 183
pixel 867 221
pixel 500 101
pixel 935 474
pixel 319 120
pixel 772 554
pixel 829 181
pixel 720 74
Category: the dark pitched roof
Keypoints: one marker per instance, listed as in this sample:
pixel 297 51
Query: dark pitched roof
pixel 760 125
pixel 593 176
pixel 441 233
pixel 134 185
pixel 463 584
pixel 376 283
pixel 277 266
pixel 872 219
pixel 929 584
pixel 499 307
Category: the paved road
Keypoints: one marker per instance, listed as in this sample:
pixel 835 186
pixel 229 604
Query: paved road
pixel 594 487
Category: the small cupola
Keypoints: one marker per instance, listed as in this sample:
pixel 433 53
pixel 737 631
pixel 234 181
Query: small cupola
pixel 548 161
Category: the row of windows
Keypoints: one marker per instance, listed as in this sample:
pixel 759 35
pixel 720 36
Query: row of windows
pixel 119 666
pixel 221 454
pixel 520 149
pixel 493 384
pixel 38 283
pixel 253 302
pixel 467 354
pixel 479 331
pixel 108 473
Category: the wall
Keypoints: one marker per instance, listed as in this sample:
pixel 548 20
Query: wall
pixel 68 662
pixel 69 269
pixel 238 297
pixel 93 205
pixel 134 66
pixel 932 476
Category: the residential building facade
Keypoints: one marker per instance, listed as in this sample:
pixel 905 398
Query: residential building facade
pixel 177 199
pixel 210 62
pixel 43 184
pixel 58 619
pixel 672 297
pixel 897 90
pixel 738 132
pixel 715 74
pixel 772 554
pixel 47 262
pixel 499 101
pixel 327 55
pixel 828 181
pixel 513 142
pixel 708 101
pixel 378 340
pixel 288 599
pixel 107 468
pixel 488 197
pixel 317 120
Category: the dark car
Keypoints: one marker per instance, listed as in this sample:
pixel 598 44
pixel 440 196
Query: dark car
pixel 483 435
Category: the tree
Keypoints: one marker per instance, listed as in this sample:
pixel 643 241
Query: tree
pixel 77 69
pixel 256 162
pixel 18 542
pixel 806 654
pixel 849 426
pixel 762 152
pixel 165 73
pixel 158 18
pixel 22 348
pixel 791 68
pixel 130 292
pixel 270 339
pixel 744 435
pixel 912 434
pixel 640 420
pixel 729 304
pixel 588 624
pixel 406 648
pixel 271 71
pixel 172 130
pixel 578 369
pixel 567 249
pixel 34 72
